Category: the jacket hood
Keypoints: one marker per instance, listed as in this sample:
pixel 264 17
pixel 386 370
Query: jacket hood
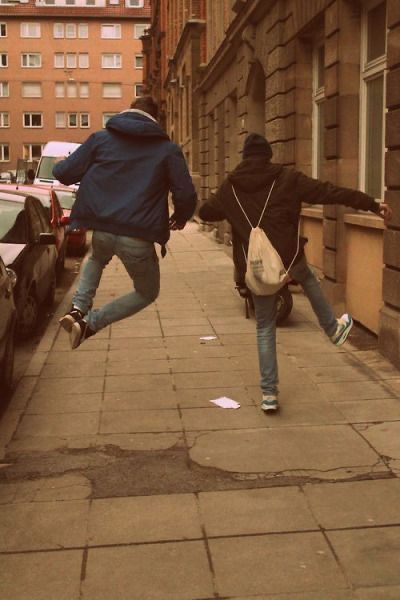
pixel 254 173
pixel 136 124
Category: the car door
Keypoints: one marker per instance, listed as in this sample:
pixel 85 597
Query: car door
pixel 6 307
pixel 40 255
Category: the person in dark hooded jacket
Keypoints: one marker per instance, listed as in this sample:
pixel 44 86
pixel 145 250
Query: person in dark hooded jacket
pixel 125 172
pixel 251 181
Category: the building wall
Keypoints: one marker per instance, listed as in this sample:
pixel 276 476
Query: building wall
pixel 95 105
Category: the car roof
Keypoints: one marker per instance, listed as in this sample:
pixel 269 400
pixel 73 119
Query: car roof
pixel 13 196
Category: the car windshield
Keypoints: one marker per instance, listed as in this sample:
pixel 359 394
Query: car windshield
pixel 46 167
pixel 12 222
pixel 66 198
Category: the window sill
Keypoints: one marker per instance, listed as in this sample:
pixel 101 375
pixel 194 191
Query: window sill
pixel 312 213
pixel 362 220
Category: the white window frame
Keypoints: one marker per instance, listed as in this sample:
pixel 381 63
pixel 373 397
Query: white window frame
pixel 58 31
pixel 140 26
pixel 60 120
pixel 28 56
pixel 106 117
pixel 73 3
pixel 83 89
pixel 113 57
pixel 71 32
pixel 27 83
pixel 135 89
pixel 369 71
pixel 318 98
pixel 71 60
pixel 4 147
pixel 108 85
pixel 134 3
pixel 5 54
pixel 111 27
pixel 81 116
pixel 83 60
pixel 27 152
pixel 140 56
pixel 4 89
pixel 30 30
pixel 59 89
pixel 83 31
pixel 30 115
pixel 59 60
pixel 4 119
pixel 69 117
pixel 3 27
pixel 72 89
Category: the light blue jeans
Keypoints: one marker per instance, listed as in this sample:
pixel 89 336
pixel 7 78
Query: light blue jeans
pixel 141 262
pixel 265 309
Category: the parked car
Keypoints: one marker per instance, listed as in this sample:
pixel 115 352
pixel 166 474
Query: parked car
pixel 51 152
pixel 51 203
pixel 8 319
pixel 27 246
pixel 76 238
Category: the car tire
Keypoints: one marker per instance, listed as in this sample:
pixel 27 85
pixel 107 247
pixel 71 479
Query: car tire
pixel 7 366
pixel 285 304
pixel 28 315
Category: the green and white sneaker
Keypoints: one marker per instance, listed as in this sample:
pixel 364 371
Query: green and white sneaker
pixel 344 324
pixel 269 403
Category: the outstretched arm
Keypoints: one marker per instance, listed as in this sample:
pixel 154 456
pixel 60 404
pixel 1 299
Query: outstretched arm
pixel 72 169
pixel 184 195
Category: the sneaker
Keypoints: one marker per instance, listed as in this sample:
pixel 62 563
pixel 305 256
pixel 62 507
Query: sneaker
pixel 344 324
pixel 71 317
pixel 269 403
pixel 80 331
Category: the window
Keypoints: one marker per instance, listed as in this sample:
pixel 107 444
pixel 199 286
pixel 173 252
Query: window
pixel 4 89
pixel 84 120
pixel 3 29
pixel 60 120
pixel 95 3
pixel 30 30
pixel 70 30
pixel 134 3
pixel 112 90
pixel 83 31
pixel 32 151
pixel 138 61
pixel 106 117
pixel 70 60
pixel 58 30
pixel 83 60
pixel 59 60
pixel 4 119
pixel 59 89
pixel 372 96
pixel 31 60
pixel 72 119
pixel 111 61
pixel 139 30
pixel 4 152
pixel 31 89
pixel 32 120
pixel 139 89
pixel 84 90
pixel 318 120
pixel 111 31
pixel 72 89
pixel 3 59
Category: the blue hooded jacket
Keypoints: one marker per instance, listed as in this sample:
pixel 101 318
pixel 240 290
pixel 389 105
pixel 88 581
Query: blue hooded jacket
pixel 125 174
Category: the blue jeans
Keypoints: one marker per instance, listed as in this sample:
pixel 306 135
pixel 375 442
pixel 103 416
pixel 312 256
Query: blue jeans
pixel 141 262
pixel 265 309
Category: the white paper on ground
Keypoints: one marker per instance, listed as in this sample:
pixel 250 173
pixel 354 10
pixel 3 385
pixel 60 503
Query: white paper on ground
pixel 225 402
pixel 208 337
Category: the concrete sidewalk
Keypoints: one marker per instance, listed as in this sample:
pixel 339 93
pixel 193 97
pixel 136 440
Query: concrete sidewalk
pixel 124 482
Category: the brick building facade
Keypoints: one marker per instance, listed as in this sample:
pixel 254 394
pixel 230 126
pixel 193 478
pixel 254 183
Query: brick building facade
pixel 321 79
pixel 65 68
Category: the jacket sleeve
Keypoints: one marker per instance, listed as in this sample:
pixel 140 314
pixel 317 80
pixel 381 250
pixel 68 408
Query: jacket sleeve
pixel 213 209
pixel 184 195
pixel 314 191
pixel 72 169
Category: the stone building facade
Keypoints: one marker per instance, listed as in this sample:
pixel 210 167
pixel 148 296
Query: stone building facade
pixel 321 79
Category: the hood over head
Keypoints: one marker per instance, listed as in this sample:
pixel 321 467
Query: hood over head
pixel 257 145
pixel 254 173
pixel 135 123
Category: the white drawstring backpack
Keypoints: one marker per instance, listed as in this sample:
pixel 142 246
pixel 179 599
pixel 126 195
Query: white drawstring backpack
pixel 265 273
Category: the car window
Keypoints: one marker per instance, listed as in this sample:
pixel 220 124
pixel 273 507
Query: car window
pixel 66 198
pixel 38 218
pixel 46 167
pixel 12 222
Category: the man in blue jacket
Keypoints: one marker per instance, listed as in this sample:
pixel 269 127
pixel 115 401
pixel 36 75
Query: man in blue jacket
pixel 125 172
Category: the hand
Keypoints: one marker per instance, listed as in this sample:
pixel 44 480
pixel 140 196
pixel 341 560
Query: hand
pixel 385 212
pixel 174 226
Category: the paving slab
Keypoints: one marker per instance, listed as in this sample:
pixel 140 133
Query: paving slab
pixel 79 403
pixel 41 576
pixel 114 521
pixel 146 400
pixel 43 525
pixel 69 424
pixel 370 557
pixel 136 383
pixel 355 503
pixel 135 421
pixel 169 571
pixel 382 409
pixel 301 562
pixel 200 398
pixel 385 439
pixel 378 593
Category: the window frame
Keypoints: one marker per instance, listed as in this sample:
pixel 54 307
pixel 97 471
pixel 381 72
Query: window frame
pixel 110 83
pixel 116 27
pixel 141 56
pixel 318 99
pixel 4 116
pixel 3 26
pixel 28 155
pixel 24 83
pixel 135 26
pixel 28 55
pixel 5 54
pixel 31 114
pixel 3 147
pixel 116 56
pixel 26 25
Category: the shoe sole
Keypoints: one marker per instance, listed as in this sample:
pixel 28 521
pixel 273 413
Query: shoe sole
pixel 67 322
pixel 345 334
pixel 272 408
pixel 75 335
